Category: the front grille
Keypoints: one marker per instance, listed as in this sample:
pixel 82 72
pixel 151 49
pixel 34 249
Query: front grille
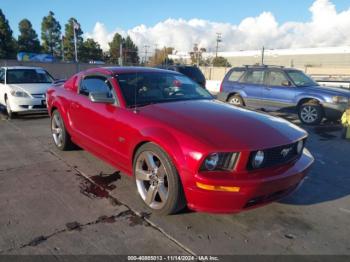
pixel 39 107
pixel 38 96
pixel 276 156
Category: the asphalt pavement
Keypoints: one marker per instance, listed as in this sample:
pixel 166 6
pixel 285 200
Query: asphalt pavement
pixel 56 202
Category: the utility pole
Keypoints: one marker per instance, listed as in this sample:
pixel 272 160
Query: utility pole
pixel 218 40
pixel 155 53
pixel 120 62
pixel 62 47
pixel 262 55
pixel 146 52
pixel 75 27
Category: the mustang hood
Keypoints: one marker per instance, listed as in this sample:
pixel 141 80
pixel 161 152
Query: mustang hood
pixel 223 126
pixel 37 88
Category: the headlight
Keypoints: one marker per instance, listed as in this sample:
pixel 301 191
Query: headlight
pixel 219 161
pixel 211 161
pixel 17 93
pixel 258 159
pixel 340 99
pixel 300 147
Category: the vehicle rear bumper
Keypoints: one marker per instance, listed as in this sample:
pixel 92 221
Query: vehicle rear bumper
pixel 334 111
pixel 27 105
pixel 253 192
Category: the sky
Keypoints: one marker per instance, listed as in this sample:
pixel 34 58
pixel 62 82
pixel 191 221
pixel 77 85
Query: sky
pixel 244 25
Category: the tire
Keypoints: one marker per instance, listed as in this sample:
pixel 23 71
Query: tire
pixel 235 100
pixel 153 169
pixel 60 135
pixel 10 114
pixel 310 113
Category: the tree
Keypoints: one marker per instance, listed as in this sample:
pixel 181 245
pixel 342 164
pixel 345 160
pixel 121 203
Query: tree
pixel 160 57
pixel 130 52
pixel 114 49
pixel 221 62
pixel 68 41
pixel 196 55
pixel 51 35
pixel 28 39
pixel 7 42
pixel 90 50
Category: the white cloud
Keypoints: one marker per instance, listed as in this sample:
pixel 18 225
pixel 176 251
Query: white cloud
pixel 325 28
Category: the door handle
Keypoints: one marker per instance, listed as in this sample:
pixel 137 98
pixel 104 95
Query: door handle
pixel 268 88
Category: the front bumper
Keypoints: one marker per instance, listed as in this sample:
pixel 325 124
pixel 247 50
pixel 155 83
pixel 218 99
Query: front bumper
pixel 253 192
pixel 334 111
pixel 27 104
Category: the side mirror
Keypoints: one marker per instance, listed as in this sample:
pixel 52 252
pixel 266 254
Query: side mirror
pixel 100 97
pixel 286 83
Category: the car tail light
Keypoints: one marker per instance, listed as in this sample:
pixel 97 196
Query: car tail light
pixel 221 86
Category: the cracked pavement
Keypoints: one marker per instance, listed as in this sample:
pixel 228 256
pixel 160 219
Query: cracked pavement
pixel 56 202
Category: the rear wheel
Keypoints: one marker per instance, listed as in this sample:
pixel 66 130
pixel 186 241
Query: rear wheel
pixel 59 133
pixel 10 114
pixel 157 180
pixel 310 113
pixel 236 100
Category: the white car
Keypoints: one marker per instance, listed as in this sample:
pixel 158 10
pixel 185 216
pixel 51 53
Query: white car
pixel 23 89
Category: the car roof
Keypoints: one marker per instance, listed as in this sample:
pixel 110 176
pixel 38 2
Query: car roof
pixel 21 67
pixel 264 67
pixel 112 70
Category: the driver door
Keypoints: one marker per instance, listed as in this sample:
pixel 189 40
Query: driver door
pixel 96 124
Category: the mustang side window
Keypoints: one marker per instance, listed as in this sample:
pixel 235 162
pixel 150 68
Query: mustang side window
pixel 95 85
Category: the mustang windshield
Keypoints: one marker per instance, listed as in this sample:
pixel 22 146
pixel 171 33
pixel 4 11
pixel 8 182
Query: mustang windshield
pixel 28 76
pixel 300 79
pixel 142 88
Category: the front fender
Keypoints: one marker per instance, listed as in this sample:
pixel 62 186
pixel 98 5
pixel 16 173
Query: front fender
pixel 170 144
pixel 309 96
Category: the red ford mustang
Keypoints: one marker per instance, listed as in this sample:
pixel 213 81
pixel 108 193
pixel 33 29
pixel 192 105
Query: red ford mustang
pixel 182 146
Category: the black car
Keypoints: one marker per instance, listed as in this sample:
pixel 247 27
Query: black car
pixel 192 72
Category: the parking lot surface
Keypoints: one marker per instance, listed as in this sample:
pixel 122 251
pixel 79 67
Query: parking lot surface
pixel 56 202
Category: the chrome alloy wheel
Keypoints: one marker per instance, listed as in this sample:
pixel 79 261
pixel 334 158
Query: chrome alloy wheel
pixel 309 114
pixel 56 129
pixel 151 180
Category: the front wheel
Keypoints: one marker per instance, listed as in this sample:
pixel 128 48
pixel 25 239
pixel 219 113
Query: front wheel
pixel 310 113
pixel 157 180
pixel 59 133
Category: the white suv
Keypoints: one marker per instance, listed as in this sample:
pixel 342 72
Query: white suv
pixel 23 89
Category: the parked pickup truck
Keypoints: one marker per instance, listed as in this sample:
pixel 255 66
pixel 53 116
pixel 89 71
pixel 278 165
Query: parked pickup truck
pixel 275 88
